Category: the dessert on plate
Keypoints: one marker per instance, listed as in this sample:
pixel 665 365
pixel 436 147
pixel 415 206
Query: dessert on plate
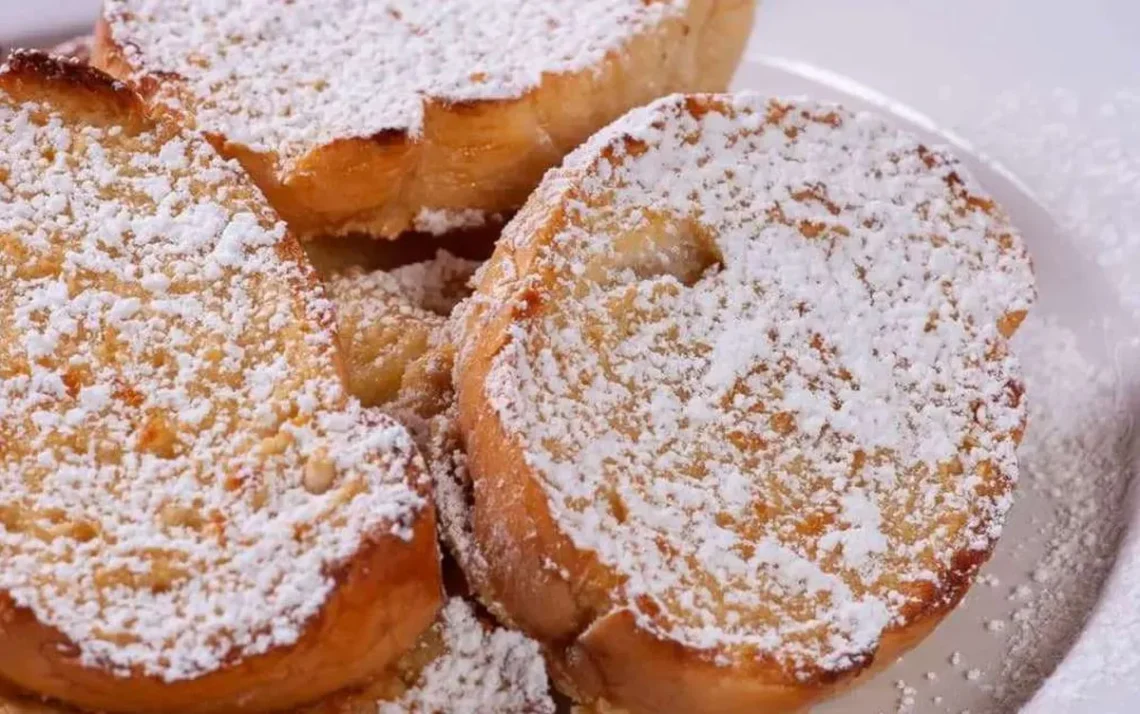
pixel 728 421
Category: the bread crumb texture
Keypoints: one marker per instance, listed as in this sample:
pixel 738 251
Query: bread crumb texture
pixel 392 330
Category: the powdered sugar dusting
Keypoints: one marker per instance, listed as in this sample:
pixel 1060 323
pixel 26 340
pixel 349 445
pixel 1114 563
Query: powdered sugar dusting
pixel 1079 149
pixel 1063 537
pixel 288 77
pixel 447 462
pixel 77 48
pixel 481 670
pixel 429 289
pixel 168 390
pixel 1077 457
pixel 1078 145
pixel 752 490
pixel 441 221
pixel 1071 147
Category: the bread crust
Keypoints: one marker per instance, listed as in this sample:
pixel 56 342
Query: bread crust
pixel 531 574
pixel 383 596
pixel 475 155
pixel 464 660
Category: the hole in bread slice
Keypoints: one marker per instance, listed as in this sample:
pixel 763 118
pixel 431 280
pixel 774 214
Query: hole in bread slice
pixel 660 245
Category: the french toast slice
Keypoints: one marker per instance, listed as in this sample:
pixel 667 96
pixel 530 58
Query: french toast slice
pixel 194 514
pixel 383 118
pixel 736 403
pixel 461 665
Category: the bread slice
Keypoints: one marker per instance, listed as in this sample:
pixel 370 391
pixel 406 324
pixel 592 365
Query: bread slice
pixel 392 329
pixel 194 515
pixel 737 404
pixel 382 118
pixel 462 664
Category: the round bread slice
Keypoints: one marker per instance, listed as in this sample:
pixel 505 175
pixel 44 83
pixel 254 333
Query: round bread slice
pixel 194 515
pixel 386 117
pixel 737 403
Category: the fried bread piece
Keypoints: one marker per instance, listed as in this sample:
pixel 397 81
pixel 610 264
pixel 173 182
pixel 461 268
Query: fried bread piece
pixel 392 331
pixel 737 404
pixel 194 514
pixel 388 117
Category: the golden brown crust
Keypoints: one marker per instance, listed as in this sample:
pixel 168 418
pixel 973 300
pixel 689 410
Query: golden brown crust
pixel 480 155
pixel 347 643
pixel 383 596
pixel 464 662
pixel 74 88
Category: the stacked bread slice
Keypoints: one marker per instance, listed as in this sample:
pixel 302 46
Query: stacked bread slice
pixel 386 117
pixel 727 420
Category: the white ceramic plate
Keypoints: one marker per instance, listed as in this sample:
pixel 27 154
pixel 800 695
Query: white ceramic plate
pixel 1051 91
